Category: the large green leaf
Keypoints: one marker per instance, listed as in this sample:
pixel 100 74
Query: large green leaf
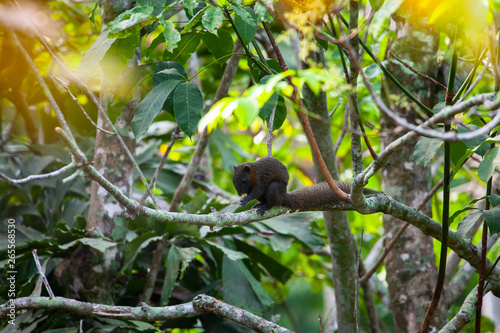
pixel 492 218
pixel 425 149
pixel 488 164
pixel 188 105
pixel 212 19
pixel 186 47
pixel 171 274
pixel 245 22
pixel 241 289
pixel 169 70
pixel 468 222
pixel 151 106
pixel 276 269
pixel 220 45
pixel 247 110
pixel 136 246
pixel 479 141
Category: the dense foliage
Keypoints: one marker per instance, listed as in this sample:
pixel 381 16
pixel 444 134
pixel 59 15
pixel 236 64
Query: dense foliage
pixel 170 57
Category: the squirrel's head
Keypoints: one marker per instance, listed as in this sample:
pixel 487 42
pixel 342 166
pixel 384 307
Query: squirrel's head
pixel 243 178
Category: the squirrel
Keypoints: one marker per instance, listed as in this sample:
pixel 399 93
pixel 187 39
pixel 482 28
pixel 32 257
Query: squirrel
pixel 266 180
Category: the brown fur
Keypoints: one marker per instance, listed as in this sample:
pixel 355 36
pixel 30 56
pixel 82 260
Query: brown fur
pixel 266 180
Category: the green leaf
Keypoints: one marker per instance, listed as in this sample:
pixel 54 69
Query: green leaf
pixel 247 110
pixel 262 14
pixel 468 222
pixel 154 44
pixel 477 142
pixel 241 289
pixel 268 107
pixel 383 14
pixel 492 218
pixel 99 244
pixel 194 21
pixel 169 70
pixel 230 254
pixel 297 226
pixel 187 46
pixel 487 166
pixel 276 269
pixel 171 35
pixel 458 212
pixel 188 105
pixel 151 106
pixel 136 246
pixel 220 45
pixel 190 5
pixel 94 55
pixel 245 22
pixel 118 56
pixel 129 18
pixel 425 149
pixel 495 199
pixel 158 5
pixel 171 274
pixel 457 150
pixel 212 19
pixel 186 254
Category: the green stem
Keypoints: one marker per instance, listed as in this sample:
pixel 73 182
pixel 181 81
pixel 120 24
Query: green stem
pixel 446 199
pixel 469 78
pixel 249 54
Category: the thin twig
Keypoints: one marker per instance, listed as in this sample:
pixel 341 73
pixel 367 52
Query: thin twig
pixel 334 109
pixel 416 71
pixel 305 123
pixel 80 106
pixel 175 135
pixel 270 126
pixel 42 274
pixel 38 177
pixel 476 81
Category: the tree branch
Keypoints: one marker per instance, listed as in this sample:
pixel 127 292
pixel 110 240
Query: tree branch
pixel 200 305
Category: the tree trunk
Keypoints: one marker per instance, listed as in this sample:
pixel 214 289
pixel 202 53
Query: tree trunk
pixel 92 273
pixel 411 265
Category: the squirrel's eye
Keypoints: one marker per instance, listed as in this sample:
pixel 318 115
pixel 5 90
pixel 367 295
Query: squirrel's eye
pixel 244 180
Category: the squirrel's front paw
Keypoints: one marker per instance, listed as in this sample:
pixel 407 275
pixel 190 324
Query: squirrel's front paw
pixel 243 202
pixel 261 209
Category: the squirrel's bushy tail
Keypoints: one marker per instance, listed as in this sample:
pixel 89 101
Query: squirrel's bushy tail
pixel 316 196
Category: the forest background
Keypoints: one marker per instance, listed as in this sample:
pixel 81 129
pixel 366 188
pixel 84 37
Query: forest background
pixel 120 124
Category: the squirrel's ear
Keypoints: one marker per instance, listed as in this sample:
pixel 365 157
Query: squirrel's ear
pixel 246 168
pixel 234 167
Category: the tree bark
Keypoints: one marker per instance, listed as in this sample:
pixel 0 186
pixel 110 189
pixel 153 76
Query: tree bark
pixel 411 265
pixel 90 273
pixel 340 238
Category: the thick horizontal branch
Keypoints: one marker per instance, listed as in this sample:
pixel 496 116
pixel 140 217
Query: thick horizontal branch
pixel 145 313
pixel 373 204
pixel 201 304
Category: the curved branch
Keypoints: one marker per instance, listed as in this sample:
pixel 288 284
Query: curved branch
pixel 201 304
pixel 38 177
